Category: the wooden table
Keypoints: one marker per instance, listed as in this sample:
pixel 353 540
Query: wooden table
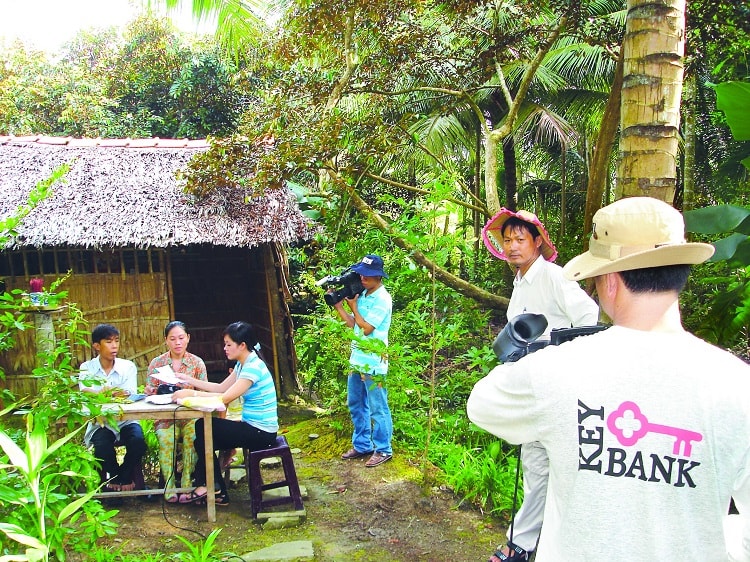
pixel 146 411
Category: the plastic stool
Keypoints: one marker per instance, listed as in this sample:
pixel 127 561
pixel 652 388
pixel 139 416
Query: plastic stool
pixel 255 478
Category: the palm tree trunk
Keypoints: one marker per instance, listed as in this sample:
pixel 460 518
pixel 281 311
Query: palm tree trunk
pixel 511 176
pixel 605 140
pixel 652 85
pixel 688 164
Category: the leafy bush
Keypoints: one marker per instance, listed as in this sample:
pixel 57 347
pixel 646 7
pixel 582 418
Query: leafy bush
pixel 439 346
pixel 39 511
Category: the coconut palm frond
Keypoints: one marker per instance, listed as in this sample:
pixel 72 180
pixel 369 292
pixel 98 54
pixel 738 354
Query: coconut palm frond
pixel 586 66
pixel 239 22
pixel 583 108
pixel 443 133
pixel 547 128
pixel 614 11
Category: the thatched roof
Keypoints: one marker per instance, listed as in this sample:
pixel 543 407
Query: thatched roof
pixel 123 193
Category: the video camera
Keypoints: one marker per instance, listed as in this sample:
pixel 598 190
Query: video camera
pixel 352 285
pixel 519 336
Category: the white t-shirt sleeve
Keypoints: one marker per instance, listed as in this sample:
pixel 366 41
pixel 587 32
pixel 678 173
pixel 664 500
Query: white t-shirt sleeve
pixel 502 404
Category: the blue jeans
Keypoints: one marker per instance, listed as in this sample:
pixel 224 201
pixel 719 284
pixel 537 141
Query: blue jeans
pixel 371 416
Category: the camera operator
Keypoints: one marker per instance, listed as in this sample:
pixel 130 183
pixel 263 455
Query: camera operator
pixel 647 427
pixel 367 396
pixel 539 288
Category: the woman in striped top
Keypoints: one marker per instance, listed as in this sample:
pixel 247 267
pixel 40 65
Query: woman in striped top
pixel 251 380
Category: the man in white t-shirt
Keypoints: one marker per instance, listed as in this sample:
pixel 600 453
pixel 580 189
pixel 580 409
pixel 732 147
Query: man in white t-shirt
pixel 647 427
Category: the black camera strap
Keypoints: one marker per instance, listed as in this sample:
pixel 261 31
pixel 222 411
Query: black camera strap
pixel 515 493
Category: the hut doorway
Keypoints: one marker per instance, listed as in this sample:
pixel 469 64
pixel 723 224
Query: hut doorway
pixel 212 287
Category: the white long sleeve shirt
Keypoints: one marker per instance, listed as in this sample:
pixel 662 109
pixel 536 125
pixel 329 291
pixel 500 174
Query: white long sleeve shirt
pixel 544 290
pixel 648 437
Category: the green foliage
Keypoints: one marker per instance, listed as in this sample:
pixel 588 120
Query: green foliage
pixel 202 551
pixel 727 321
pixel 722 219
pixel 108 554
pixel 439 346
pixel 153 82
pixel 44 514
pixel 485 474
pixel 733 98
pixel 727 317
pixel 41 510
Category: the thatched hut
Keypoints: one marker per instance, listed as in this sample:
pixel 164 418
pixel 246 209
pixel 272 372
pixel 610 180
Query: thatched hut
pixel 142 253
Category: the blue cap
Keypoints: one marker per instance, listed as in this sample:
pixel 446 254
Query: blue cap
pixel 370 266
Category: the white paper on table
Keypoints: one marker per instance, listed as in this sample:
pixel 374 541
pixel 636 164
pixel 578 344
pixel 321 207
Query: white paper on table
pixel 158 399
pixel 166 374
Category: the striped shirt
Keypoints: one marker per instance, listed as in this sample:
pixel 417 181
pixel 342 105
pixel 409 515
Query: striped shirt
pixel 259 406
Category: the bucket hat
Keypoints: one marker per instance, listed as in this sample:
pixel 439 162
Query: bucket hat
pixel 492 233
pixel 370 266
pixel 635 233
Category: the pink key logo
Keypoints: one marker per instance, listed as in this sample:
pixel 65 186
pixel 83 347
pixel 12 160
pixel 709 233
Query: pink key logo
pixel 628 424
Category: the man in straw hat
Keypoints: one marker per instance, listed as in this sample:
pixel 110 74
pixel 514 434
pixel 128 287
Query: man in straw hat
pixel 647 427
pixel 540 288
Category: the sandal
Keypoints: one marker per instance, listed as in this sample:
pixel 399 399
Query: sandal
pixel 515 554
pixel 127 487
pixel 220 499
pixel 171 498
pixel 192 497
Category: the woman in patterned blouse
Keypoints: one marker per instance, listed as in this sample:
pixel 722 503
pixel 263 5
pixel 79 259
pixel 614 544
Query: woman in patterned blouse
pixel 168 431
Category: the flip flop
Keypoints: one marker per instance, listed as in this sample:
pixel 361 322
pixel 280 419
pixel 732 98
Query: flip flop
pixel 193 497
pixel 128 487
pixel 221 500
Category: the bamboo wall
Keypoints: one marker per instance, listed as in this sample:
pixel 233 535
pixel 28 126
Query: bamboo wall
pixel 140 291
pixel 136 304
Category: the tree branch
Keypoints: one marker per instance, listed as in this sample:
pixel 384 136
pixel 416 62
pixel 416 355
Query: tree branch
pixel 482 297
pixel 495 137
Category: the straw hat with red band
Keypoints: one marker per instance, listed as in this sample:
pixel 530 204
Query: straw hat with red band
pixel 492 233
pixel 636 233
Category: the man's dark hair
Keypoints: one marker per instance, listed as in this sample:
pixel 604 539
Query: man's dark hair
pixel 656 279
pixel 104 332
pixel 515 223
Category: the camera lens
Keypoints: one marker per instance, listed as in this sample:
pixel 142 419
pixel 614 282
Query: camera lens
pixel 333 298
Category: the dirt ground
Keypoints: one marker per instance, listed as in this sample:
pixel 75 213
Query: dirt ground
pixel 353 512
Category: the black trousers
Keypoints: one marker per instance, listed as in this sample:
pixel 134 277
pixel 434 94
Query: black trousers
pixel 227 434
pixel 131 436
